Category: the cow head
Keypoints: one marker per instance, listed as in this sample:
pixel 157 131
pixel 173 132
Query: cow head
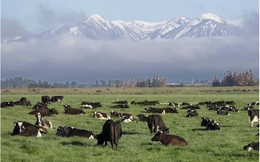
pixel 157 136
pixel 100 139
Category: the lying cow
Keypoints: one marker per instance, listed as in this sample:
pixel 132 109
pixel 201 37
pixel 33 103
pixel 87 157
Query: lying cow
pixel 44 112
pixel 142 117
pixel 72 111
pixel 120 102
pixel 253 116
pixel 120 106
pixel 70 132
pixel 57 98
pixel 40 105
pixel 252 146
pixel 42 122
pixel 127 118
pixel 46 99
pixel 155 110
pixel 23 102
pixel 213 125
pixel 155 124
pixel 192 113
pixel 27 129
pixel 112 132
pixel 101 115
pixel 115 114
pixel 93 104
pixel 168 139
pixel 7 104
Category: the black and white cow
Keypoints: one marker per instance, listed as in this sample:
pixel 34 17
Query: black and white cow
pixel 71 131
pixel 27 129
pixel 44 112
pixel 42 122
pixel 252 146
pixel 155 124
pixel 101 115
pixel 7 104
pixel 155 110
pixel 112 132
pixel 213 125
pixel 46 99
pixel 127 118
pixel 253 116
pixel 93 104
pixel 192 113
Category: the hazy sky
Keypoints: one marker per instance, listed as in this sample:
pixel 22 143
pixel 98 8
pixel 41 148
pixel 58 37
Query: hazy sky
pixel 81 60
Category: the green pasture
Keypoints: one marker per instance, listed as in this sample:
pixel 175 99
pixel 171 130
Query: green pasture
pixel 135 144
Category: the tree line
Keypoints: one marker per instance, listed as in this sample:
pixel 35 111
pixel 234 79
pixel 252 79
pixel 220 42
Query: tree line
pixel 236 79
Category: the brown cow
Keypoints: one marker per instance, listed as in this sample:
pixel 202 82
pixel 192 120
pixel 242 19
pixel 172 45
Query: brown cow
pixel 168 139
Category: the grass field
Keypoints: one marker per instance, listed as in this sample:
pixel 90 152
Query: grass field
pixel 135 144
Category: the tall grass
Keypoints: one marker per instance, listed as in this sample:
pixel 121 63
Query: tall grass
pixel 135 144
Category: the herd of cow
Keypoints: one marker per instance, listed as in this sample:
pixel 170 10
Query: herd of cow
pixel 112 130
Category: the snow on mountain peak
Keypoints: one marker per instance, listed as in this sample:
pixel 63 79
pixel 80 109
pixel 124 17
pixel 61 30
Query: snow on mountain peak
pixel 95 17
pixel 212 16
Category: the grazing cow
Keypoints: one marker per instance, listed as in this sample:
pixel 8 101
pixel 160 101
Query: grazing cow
pixel 213 125
pixel 42 122
pixel 93 104
pixel 142 117
pixel 127 118
pixel 57 98
pixel 252 146
pixel 192 113
pixel 120 106
pixel 112 132
pixel 115 114
pixel 101 115
pixel 70 132
pixel 155 124
pixel 154 110
pixel 168 139
pixel 72 111
pixel 44 112
pixel 120 102
pixel 7 104
pixel 27 129
pixel 46 99
pixel 222 112
pixel 23 102
pixel 253 116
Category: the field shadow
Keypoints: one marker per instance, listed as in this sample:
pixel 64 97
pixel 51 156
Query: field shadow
pixel 130 133
pixel 74 143
pixel 199 129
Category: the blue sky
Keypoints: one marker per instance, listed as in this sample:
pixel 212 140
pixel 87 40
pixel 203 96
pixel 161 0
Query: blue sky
pixel 38 15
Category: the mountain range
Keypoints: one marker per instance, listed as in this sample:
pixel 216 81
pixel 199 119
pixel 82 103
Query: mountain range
pixel 96 27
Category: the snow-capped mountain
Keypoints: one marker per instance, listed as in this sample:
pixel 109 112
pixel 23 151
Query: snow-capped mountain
pixel 99 28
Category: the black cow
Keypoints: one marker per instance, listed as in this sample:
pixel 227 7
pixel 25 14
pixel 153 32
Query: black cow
pixel 168 139
pixel 70 132
pixel 155 124
pixel 222 112
pixel 40 105
pixel 7 104
pixel 253 116
pixel 27 129
pixel 57 98
pixel 252 146
pixel 205 120
pixel 46 99
pixel 112 132
pixel 120 106
pixel 120 102
pixel 23 102
pixel 192 113
pixel 72 111
pixel 44 112
pixel 142 117
pixel 170 110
